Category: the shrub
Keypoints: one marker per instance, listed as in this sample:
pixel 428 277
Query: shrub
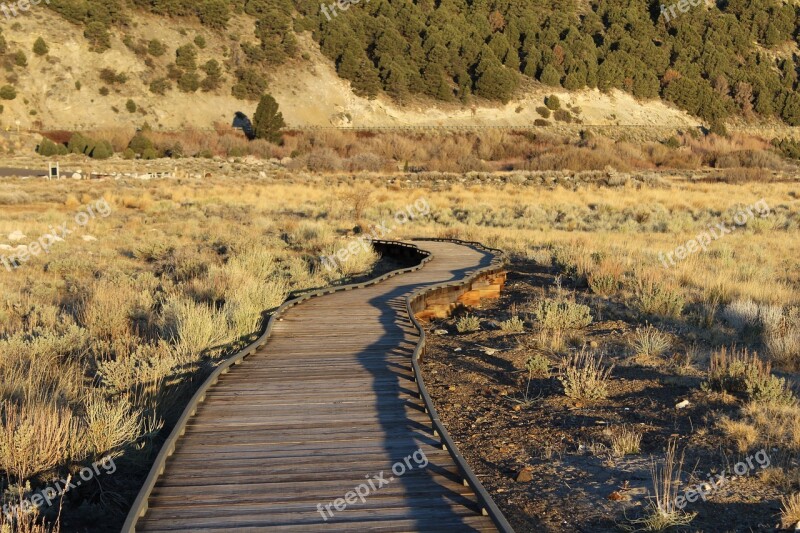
pixel 35 438
pixel 540 122
pixel 214 13
pixel 625 440
pixel 112 77
pixel 513 325
pixel 584 376
pixel 200 41
pixel 78 144
pixel 650 342
pixel 783 340
pixel 97 34
pixel 537 366
pixel 20 59
pixel 130 105
pixel 104 91
pixel 189 82
pixel 47 148
pixel 657 299
pixel 160 86
pixel 186 57
pixel 128 154
pixel 40 47
pixel 605 279
pixel 111 425
pixel 552 102
pixel 196 328
pixel 543 111
pixel 562 115
pixel 139 143
pixel 561 314
pixel 741 314
pixel 150 153
pixel 102 150
pixel 213 77
pixel 7 92
pixel 156 48
pixel 250 84
pixel 740 372
pixel 468 323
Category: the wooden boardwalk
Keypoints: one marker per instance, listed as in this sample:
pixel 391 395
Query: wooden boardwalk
pixel 326 405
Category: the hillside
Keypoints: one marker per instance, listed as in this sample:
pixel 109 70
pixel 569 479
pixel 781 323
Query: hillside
pixel 111 63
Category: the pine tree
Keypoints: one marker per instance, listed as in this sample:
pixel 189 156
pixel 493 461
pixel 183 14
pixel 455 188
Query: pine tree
pixel 268 121
pixel 550 76
pixel 40 47
pixel 494 80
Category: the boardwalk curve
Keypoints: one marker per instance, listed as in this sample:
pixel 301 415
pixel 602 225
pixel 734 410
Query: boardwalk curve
pixel 324 424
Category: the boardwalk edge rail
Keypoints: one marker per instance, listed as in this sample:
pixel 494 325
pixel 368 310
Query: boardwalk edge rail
pixel 416 302
pixel 140 504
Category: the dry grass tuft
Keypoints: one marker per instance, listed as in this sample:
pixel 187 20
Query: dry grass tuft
pixel 36 438
pixel 625 440
pixel 468 323
pixel 790 511
pixel 662 512
pixel 584 376
pixel 650 342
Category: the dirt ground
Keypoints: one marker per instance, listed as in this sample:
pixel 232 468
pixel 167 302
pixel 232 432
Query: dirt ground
pixel 545 459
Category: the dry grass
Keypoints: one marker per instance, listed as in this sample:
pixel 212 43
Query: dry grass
pixel 663 512
pixel 584 376
pixel 36 438
pixel 183 270
pixel 650 342
pixel 468 323
pixel 790 511
pixel 625 440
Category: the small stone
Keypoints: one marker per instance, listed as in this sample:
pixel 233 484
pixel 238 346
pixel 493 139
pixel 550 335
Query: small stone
pixel 77 176
pixel 16 236
pixel 525 475
pixel 89 238
pixel 683 405
pixel 440 332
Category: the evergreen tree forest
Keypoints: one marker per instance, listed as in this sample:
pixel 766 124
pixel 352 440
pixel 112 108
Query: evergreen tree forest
pixel 738 57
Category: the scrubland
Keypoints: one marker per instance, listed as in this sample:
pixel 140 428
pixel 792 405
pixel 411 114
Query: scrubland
pixel 103 338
